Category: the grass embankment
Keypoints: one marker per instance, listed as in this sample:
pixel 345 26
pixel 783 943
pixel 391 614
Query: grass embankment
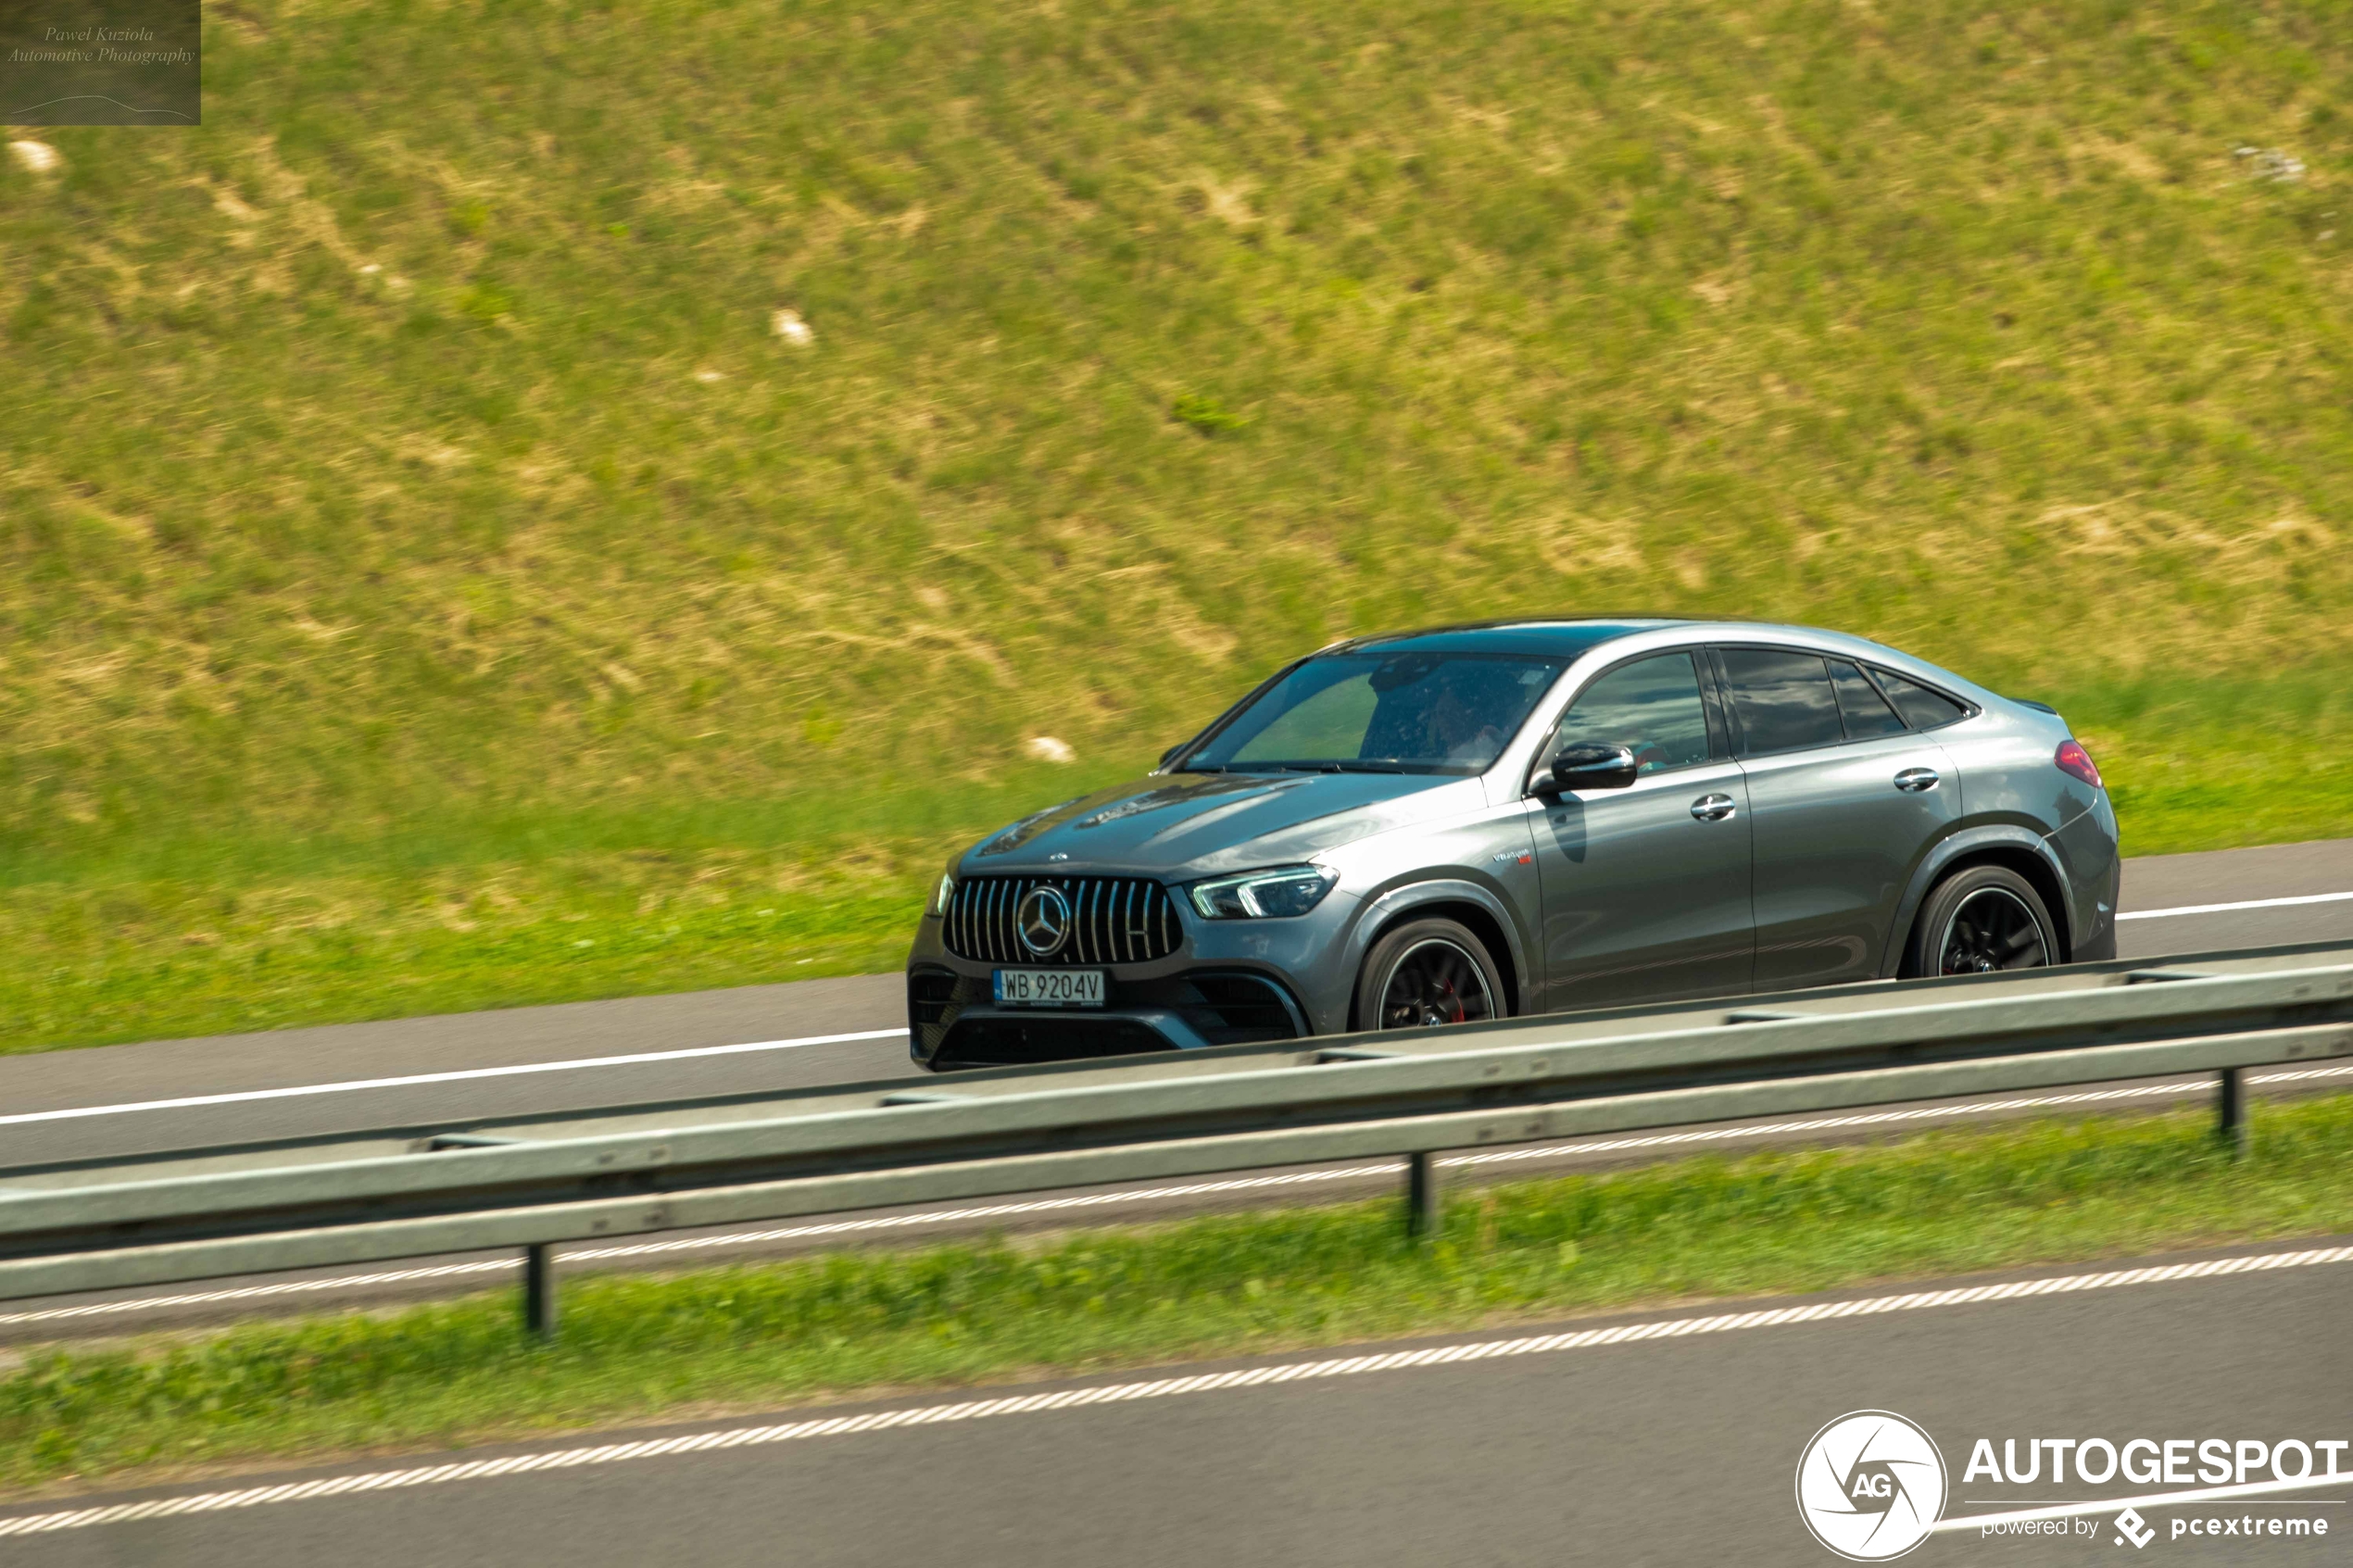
pixel 641 1348
pixel 412 518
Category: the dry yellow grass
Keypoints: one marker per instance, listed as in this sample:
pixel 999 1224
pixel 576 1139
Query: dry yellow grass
pixel 407 464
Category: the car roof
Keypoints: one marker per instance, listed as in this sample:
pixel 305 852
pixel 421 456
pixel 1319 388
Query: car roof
pixel 1568 637
pixel 1549 638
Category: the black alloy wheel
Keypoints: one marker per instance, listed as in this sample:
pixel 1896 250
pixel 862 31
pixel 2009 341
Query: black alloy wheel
pixel 1432 983
pixel 1424 974
pixel 1983 920
pixel 1993 929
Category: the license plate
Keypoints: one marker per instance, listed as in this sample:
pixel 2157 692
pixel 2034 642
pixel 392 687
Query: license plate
pixel 1050 988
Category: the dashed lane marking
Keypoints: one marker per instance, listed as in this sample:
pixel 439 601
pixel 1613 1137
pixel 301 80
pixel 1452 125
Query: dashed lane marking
pixel 1156 1388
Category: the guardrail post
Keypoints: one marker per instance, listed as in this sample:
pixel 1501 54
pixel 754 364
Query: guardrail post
pixel 539 1291
pixel 1421 1195
pixel 2232 1123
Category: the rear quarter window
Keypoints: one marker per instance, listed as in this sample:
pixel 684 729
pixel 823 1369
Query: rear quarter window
pixel 1922 708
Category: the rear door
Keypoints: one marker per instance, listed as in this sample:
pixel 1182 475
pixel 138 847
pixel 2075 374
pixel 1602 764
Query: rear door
pixel 1646 889
pixel 1843 801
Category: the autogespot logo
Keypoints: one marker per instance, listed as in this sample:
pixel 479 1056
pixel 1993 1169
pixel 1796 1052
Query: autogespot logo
pixel 1870 1486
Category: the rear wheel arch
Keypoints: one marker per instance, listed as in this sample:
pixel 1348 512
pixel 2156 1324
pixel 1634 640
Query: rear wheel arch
pixel 2022 864
pixel 2013 854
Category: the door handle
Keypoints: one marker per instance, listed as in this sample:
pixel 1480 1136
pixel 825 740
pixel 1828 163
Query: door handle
pixel 1713 808
pixel 1916 781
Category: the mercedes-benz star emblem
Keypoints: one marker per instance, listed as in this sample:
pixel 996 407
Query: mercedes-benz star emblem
pixel 1043 921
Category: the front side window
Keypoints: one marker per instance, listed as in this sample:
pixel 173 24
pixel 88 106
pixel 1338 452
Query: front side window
pixel 1783 698
pixel 1650 707
pixel 1375 712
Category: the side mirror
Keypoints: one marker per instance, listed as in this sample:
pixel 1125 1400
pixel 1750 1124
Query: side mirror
pixel 1587 766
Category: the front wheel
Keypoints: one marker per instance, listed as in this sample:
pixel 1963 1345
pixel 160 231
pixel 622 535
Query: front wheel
pixel 1424 974
pixel 1981 920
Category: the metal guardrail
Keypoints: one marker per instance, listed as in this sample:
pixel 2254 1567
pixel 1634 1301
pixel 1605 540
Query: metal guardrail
pixel 202 1214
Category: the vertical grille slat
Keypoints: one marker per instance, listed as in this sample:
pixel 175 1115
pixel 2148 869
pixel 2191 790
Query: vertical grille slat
pixel 1113 919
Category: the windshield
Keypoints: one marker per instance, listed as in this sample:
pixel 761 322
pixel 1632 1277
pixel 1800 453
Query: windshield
pixel 1391 713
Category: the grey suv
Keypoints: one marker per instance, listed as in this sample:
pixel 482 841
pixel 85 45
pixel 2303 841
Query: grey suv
pixel 1521 817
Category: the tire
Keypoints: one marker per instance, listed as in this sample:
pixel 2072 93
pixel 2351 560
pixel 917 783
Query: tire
pixel 1439 972
pixel 1979 919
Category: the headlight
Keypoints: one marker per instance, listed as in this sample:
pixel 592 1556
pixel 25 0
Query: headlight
pixel 945 891
pixel 1287 890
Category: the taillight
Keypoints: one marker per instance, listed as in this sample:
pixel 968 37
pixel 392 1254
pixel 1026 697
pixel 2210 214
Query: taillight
pixel 2076 762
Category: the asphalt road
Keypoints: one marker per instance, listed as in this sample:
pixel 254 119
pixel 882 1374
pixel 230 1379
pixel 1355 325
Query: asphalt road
pixel 592 1034
pixel 1675 1450
pixel 312 1081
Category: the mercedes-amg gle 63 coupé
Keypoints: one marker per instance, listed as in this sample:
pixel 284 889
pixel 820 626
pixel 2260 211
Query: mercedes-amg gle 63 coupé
pixel 1524 817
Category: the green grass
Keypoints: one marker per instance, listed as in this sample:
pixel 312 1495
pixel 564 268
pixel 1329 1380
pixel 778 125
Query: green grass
pixel 157 941
pixel 638 1348
pixel 408 505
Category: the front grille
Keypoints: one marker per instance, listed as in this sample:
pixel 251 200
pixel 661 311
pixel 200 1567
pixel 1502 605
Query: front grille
pixel 1113 919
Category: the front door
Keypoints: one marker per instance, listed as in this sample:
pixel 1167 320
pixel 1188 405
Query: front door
pixel 1846 800
pixel 1645 889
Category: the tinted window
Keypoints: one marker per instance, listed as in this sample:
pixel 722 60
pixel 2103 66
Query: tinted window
pixel 1925 710
pixel 1650 707
pixel 1410 713
pixel 1866 712
pixel 1785 700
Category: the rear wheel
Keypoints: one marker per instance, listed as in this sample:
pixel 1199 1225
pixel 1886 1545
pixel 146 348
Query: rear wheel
pixel 1424 974
pixel 1981 920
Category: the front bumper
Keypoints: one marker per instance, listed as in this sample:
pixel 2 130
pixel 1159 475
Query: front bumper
pixel 952 1019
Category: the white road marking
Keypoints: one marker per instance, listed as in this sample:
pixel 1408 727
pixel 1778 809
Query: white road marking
pixel 1132 1195
pixel 2153 1499
pixel 2245 904
pixel 1157 1388
pixel 247 1096
pixel 352 1086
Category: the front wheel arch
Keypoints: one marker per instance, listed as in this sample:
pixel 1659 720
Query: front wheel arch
pixel 1433 924
pixel 1503 950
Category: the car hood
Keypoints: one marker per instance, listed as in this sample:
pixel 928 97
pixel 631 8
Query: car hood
pixel 1204 824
